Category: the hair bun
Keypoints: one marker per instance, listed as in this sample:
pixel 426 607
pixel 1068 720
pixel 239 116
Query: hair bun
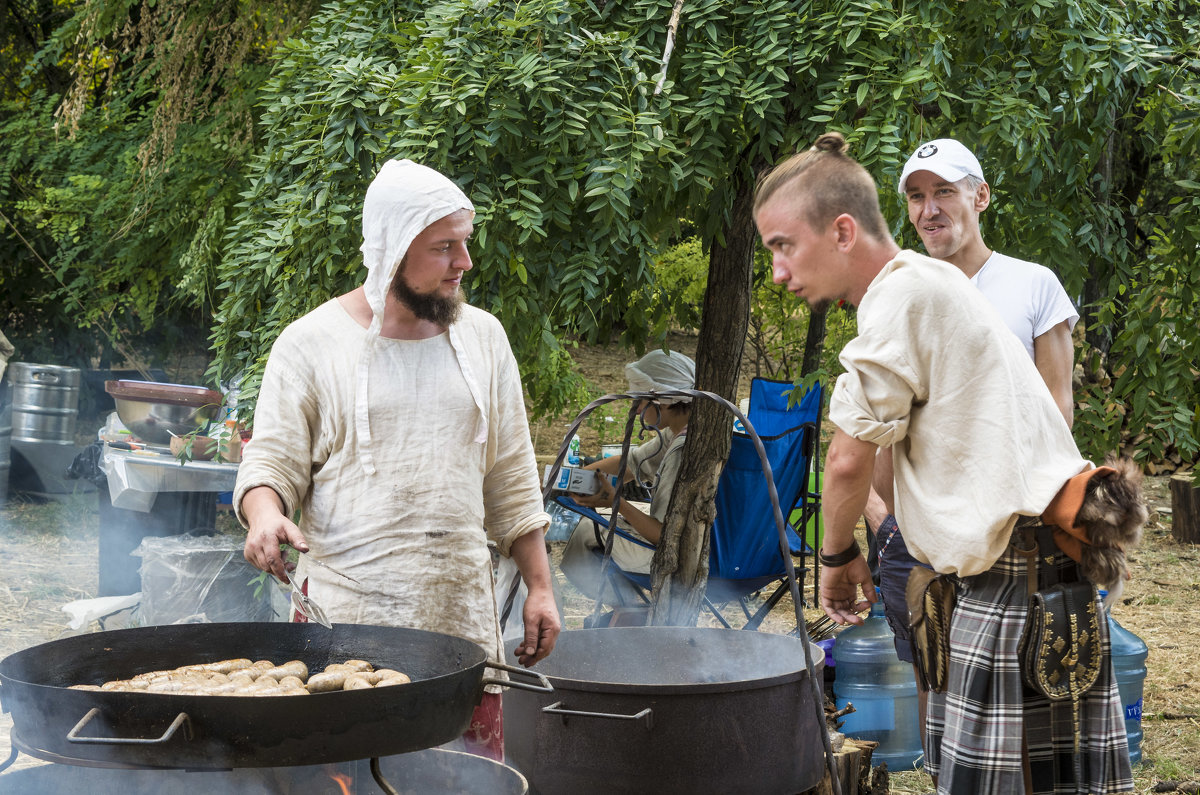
pixel 831 142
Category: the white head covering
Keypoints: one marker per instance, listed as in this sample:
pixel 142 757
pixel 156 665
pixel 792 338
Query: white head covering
pixel 403 200
pixel 662 371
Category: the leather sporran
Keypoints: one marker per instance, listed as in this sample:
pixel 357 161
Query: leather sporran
pixel 931 598
pixel 1060 649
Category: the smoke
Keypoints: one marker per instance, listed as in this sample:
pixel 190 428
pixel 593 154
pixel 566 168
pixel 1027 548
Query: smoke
pixel 651 656
pixel 428 771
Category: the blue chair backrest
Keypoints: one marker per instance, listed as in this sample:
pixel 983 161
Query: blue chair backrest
pixel 769 412
pixel 745 541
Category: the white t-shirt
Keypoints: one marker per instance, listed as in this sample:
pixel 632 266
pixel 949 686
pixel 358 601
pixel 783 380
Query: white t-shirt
pixel 1028 296
pixel 976 439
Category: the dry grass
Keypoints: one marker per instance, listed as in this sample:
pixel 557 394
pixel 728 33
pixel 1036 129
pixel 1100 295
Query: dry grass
pixel 1159 605
pixel 48 557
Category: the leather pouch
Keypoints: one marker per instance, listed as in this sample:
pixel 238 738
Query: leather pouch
pixel 931 598
pixel 1060 648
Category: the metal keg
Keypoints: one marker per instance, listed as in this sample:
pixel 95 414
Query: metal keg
pixel 45 402
pixel 5 438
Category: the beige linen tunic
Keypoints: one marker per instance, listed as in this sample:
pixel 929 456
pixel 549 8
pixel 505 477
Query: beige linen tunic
pixel 413 532
pixel 976 438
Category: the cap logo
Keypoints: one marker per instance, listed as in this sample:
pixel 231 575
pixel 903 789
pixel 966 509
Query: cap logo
pixel 928 150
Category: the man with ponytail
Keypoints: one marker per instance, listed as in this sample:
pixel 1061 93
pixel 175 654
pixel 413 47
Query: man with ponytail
pixel 973 456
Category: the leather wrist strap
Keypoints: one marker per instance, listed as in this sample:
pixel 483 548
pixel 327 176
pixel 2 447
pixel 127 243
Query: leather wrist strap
pixel 841 558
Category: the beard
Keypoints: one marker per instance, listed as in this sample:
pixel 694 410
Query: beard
pixel 426 306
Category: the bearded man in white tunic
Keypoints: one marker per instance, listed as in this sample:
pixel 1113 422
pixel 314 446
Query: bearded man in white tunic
pixel 392 419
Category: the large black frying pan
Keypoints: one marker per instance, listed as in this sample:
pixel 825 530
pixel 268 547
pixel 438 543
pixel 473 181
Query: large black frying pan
pixel 106 728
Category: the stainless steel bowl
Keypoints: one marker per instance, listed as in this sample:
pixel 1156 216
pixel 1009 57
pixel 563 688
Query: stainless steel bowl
pixel 155 422
pixel 154 411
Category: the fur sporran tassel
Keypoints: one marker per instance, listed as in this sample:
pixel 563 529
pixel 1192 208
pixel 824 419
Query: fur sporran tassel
pixel 1097 518
pixel 1113 514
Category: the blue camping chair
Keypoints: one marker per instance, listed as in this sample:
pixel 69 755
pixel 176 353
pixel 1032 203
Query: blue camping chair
pixel 744 556
pixel 770 413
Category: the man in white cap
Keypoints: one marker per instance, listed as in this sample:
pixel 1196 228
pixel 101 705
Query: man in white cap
pixel 946 193
pixel 392 419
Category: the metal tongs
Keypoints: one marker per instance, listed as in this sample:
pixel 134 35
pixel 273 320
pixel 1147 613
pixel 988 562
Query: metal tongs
pixel 305 605
pixel 326 566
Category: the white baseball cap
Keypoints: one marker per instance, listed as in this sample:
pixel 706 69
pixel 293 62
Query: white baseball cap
pixel 945 157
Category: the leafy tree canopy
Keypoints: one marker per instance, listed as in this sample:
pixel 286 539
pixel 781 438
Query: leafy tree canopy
pixel 583 156
pixel 126 130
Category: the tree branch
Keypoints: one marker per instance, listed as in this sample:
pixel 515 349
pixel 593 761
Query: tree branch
pixel 1177 59
pixel 672 27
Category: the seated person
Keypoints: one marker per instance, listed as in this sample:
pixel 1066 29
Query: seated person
pixel 656 461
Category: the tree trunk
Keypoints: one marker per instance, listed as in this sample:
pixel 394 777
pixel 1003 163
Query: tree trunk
pixel 1185 510
pixel 679 573
pixel 814 341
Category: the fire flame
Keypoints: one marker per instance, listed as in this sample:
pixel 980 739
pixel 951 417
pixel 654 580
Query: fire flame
pixel 343 781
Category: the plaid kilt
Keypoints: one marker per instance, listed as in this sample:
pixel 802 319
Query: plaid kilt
pixel 973 730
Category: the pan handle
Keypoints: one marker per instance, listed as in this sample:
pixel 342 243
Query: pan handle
pixel 544 685
pixel 180 720
pixel 557 708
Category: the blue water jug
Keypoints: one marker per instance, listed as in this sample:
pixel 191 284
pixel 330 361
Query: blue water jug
pixel 1129 654
pixel 883 689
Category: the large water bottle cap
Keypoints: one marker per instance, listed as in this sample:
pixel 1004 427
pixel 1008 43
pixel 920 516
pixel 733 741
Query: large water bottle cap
pixel 877 609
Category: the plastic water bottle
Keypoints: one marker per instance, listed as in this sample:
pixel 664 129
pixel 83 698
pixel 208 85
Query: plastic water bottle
pixel 1129 654
pixel 232 391
pixel 562 522
pixel 573 451
pixel 883 689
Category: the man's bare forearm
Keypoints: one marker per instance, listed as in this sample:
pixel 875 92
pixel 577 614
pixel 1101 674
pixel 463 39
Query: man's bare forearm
pixel 529 553
pixel 849 467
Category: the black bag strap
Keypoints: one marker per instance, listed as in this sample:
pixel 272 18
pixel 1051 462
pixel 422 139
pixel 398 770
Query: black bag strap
pixel 1025 543
pixel 1047 571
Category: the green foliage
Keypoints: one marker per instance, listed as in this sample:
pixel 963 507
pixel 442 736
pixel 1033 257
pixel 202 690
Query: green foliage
pixel 123 143
pixel 681 276
pixel 778 320
pixel 1083 116
pixel 1152 396
pixel 550 115
pixel 195 447
pixel 609 423
pixel 472 87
